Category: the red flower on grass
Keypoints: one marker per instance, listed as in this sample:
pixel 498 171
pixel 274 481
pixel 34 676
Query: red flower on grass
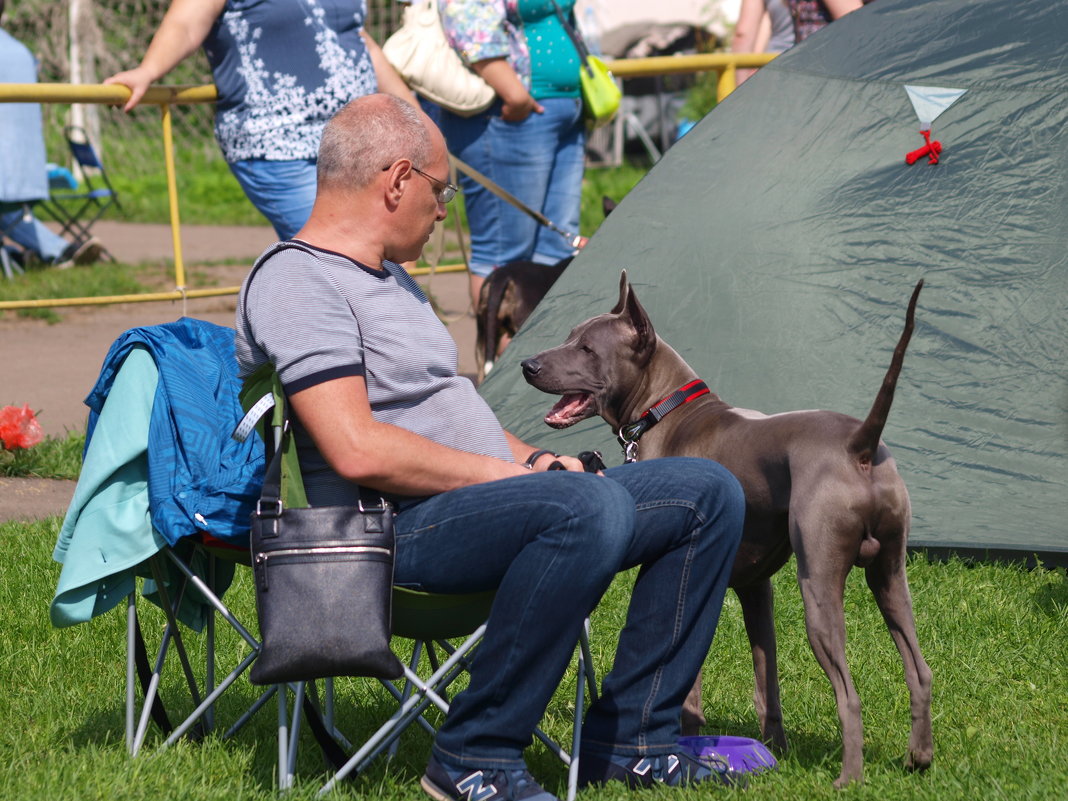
pixel 19 428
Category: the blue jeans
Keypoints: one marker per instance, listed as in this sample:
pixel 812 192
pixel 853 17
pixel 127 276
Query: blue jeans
pixel 33 235
pixel 551 543
pixel 283 191
pixel 540 161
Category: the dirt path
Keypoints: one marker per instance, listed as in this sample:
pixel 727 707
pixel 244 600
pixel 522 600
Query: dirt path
pixel 53 366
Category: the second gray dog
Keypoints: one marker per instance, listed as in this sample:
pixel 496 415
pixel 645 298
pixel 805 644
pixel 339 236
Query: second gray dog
pixel 817 483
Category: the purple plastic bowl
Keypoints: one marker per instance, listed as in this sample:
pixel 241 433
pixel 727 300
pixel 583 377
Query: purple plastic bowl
pixel 743 754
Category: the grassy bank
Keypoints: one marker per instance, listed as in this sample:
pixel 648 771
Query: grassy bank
pixel 995 636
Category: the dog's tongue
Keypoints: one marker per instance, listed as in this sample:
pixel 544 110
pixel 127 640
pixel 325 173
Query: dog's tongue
pixel 568 410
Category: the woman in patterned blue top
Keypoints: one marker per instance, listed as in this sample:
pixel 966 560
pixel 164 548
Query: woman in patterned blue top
pixel 282 68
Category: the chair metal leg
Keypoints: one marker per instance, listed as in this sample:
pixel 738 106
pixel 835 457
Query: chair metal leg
pixel 419 694
pixel 397 721
pixel 209 667
pixel 288 740
pixel 585 675
pixel 203 712
pixel 171 608
pixel 9 264
pixel 131 669
pixel 170 633
pixel 283 736
pixel 150 694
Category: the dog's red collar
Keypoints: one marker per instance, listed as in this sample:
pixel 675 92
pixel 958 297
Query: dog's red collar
pixel 629 434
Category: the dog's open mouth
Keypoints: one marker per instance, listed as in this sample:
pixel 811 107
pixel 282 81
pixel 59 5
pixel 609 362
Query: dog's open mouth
pixel 569 410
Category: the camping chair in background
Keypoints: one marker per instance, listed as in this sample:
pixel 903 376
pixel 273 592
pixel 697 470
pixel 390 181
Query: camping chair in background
pixel 12 255
pixel 428 620
pixel 78 208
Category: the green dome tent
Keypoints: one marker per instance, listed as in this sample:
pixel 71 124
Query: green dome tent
pixel 776 244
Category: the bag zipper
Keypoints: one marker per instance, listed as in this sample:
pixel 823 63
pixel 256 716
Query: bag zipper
pixel 336 550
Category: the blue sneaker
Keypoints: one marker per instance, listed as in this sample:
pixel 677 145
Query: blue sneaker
pixel 673 770
pixel 450 783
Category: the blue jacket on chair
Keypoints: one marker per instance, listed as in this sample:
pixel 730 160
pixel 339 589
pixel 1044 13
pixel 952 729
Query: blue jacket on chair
pixel 199 478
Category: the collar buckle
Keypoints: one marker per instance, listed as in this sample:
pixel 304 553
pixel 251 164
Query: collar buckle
pixel 629 434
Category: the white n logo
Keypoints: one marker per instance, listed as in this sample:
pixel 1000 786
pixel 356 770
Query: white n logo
pixel 473 787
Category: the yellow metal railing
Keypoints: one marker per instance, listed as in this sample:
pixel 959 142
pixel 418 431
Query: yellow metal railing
pixel 725 64
pixel 164 97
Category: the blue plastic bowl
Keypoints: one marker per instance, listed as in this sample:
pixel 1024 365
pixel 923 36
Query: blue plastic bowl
pixel 743 754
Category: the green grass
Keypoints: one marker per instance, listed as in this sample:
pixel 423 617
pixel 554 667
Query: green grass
pixel 208 192
pixel 995 636
pixel 102 279
pixel 55 457
pixel 96 280
pixel 612 182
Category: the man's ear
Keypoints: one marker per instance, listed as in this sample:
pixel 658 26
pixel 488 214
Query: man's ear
pixel 396 177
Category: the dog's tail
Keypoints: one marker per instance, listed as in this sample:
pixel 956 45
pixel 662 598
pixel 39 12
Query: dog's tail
pixel 865 440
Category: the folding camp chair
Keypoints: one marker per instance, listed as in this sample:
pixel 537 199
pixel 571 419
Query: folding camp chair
pixel 78 209
pixel 187 572
pixel 112 540
pixel 12 255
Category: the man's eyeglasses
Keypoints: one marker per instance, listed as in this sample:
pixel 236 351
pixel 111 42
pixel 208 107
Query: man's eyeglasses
pixel 442 190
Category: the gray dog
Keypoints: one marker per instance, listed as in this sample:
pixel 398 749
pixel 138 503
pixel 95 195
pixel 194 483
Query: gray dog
pixel 817 483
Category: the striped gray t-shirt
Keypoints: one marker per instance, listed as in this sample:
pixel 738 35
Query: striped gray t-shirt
pixel 318 315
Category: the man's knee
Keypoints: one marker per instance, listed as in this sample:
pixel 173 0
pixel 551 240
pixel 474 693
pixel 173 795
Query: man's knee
pixel 710 489
pixel 723 496
pixel 600 509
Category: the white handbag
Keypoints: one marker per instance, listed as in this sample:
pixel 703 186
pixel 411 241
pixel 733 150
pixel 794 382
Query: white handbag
pixel 423 56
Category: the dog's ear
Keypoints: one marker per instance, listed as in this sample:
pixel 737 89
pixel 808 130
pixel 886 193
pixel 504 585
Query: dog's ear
pixel 607 205
pixel 623 287
pixel 629 308
pixel 640 321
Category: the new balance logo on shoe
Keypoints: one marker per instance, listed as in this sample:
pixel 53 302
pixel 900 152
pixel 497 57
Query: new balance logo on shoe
pixel 444 782
pixel 474 789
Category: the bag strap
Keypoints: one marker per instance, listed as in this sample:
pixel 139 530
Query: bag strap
pixel 277 247
pixel 270 503
pixel 576 39
pixel 333 753
pixel 144 674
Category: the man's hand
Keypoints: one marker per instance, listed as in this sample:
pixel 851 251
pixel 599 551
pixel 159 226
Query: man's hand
pixel 580 464
pixel 550 462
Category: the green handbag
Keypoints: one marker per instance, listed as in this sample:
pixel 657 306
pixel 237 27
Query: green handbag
pixel 600 92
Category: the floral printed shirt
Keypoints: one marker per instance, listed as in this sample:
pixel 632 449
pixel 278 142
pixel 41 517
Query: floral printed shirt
pixel 481 29
pixel 282 68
